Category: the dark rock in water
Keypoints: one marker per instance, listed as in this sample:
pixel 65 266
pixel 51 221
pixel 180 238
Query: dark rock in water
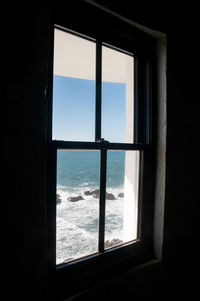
pixel 75 198
pixel 113 242
pixel 110 196
pixel 87 192
pixel 58 199
pixel 121 195
pixel 95 192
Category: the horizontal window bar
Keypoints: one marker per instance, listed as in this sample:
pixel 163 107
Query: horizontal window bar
pixel 78 34
pixel 123 251
pixel 118 49
pixel 59 144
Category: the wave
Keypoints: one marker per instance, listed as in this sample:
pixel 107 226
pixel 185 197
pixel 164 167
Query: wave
pixel 78 222
pixel 73 241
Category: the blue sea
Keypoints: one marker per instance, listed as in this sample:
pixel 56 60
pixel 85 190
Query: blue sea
pixel 77 222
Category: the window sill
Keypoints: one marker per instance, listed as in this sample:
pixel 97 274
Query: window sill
pixel 80 275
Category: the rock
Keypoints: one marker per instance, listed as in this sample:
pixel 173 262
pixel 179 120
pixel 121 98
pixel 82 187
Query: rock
pixel 87 192
pixel 121 195
pixel 110 196
pixel 113 242
pixel 75 198
pixel 58 199
pixel 95 192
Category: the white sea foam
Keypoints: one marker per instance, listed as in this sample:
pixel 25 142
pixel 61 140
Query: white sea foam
pixel 77 222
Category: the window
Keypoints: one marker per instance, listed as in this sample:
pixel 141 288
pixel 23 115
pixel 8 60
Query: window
pixel 100 151
pixel 97 203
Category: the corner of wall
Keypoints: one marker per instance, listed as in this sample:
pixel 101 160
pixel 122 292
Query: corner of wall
pixel 161 144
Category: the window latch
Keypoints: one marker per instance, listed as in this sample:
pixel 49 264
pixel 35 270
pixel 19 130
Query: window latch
pixel 102 140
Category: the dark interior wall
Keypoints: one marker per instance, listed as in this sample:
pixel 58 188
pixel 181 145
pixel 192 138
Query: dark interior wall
pixel 182 197
pixel 176 274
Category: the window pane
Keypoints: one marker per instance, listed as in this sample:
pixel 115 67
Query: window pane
pixel 77 204
pixel 121 197
pixel 73 88
pixel 117 96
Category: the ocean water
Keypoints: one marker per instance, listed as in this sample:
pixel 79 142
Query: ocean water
pixel 77 222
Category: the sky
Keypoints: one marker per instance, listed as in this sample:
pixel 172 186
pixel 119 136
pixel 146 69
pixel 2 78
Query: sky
pixel 74 90
pixel 74 110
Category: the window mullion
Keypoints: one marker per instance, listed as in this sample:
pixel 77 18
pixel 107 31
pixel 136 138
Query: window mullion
pixel 98 90
pixel 102 199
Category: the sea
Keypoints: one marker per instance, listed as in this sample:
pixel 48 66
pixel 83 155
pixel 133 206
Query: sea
pixel 77 220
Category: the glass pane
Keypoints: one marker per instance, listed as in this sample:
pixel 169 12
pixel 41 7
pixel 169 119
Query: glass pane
pixel 77 204
pixel 121 197
pixel 73 88
pixel 117 96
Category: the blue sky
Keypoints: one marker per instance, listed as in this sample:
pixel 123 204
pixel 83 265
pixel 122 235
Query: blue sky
pixel 74 110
